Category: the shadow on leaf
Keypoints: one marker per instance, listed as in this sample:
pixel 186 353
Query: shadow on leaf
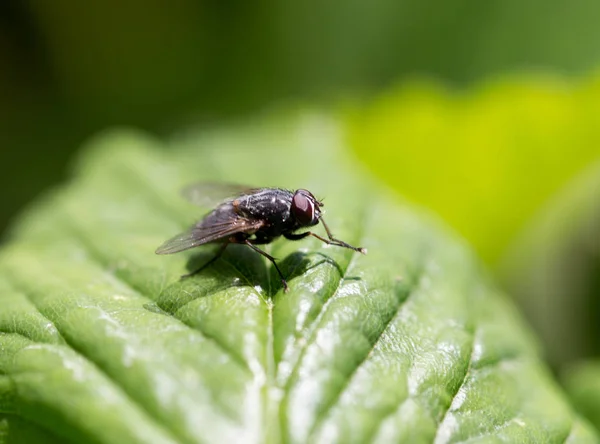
pixel 298 263
pixel 238 266
pixel 291 266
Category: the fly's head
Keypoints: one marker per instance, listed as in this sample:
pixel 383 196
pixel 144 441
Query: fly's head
pixel 305 209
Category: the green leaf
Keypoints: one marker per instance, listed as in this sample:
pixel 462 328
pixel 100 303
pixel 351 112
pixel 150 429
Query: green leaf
pixel 102 342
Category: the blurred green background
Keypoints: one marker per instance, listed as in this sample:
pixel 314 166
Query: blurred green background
pixel 485 112
pixel 69 68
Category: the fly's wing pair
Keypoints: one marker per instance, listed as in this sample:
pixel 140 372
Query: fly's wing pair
pixel 203 194
pixel 210 194
pixel 197 236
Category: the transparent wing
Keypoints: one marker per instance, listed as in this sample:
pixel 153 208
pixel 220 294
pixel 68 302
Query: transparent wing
pixel 209 194
pixel 199 235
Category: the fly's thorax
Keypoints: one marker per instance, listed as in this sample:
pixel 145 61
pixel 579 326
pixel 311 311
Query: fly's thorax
pixel 272 205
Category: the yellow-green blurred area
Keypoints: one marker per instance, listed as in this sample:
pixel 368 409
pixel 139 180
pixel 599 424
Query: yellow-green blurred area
pixel 487 113
pixel 513 165
pixel 486 160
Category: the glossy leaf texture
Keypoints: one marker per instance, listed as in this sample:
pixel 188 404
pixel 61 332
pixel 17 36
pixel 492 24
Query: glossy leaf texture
pixel 102 342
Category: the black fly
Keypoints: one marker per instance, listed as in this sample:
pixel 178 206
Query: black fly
pixel 251 216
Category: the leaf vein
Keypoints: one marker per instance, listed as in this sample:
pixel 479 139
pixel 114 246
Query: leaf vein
pixel 333 401
pixel 312 327
pixel 463 381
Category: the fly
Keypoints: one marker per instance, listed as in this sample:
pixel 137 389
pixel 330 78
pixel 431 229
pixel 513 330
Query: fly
pixel 251 216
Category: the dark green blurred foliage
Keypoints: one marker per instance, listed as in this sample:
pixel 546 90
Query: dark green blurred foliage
pixel 582 382
pixel 553 270
pixel 71 67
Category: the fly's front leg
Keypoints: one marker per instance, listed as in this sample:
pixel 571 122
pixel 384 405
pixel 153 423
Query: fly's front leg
pixel 339 243
pixel 331 241
pixel 334 241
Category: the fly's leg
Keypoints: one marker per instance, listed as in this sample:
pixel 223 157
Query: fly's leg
pixel 217 256
pixel 272 259
pixel 295 237
pixel 331 241
pixel 339 243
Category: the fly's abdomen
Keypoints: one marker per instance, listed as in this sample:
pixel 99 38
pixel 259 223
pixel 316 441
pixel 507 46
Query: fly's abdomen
pixel 221 215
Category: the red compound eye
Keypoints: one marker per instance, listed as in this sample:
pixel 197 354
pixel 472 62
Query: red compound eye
pixel 303 207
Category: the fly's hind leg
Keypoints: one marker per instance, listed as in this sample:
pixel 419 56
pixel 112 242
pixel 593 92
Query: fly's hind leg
pixel 217 256
pixel 272 259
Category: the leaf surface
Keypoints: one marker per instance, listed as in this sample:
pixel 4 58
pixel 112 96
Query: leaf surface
pixel 102 342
